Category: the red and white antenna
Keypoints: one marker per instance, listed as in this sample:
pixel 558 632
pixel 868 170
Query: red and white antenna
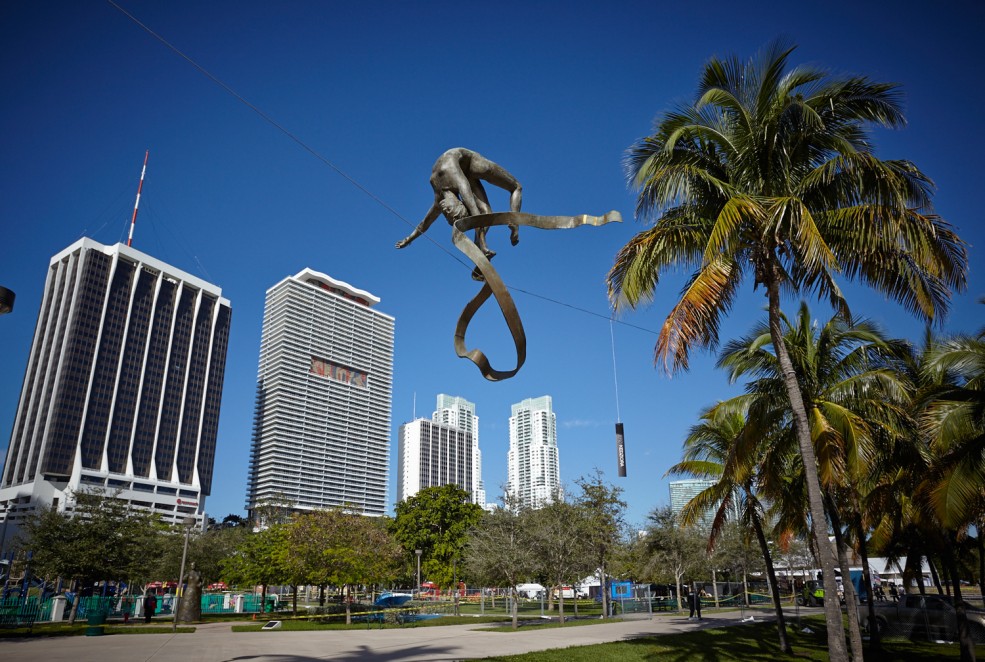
pixel 133 221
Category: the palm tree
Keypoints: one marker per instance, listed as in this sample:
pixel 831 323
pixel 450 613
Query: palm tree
pixel 853 396
pixel 770 173
pixel 952 420
pixel 725 447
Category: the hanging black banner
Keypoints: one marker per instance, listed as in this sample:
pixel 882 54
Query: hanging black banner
pixel 620 450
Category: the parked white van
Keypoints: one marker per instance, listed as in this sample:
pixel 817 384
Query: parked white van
pixel 532 591
pixel 570 592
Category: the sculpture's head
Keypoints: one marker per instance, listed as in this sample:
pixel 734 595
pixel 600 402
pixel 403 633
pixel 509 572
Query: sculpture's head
pixel 452 208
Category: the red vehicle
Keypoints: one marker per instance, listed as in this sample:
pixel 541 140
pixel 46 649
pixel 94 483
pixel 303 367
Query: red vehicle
pixel 429 590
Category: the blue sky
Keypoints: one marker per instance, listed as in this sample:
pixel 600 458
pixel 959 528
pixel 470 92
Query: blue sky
pixel 554 92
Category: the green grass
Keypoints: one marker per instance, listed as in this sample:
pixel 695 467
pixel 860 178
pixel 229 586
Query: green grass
pixel 754 642
pixel 79 629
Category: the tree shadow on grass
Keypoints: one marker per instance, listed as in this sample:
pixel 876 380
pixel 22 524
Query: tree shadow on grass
pixel 363 654
pixel 759 642
pixel 754 641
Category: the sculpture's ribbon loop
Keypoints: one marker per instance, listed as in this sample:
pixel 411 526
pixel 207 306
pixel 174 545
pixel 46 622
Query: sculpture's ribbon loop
pixel 494 285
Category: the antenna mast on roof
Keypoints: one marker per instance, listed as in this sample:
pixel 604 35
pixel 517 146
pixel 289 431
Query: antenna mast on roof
pixel 133 221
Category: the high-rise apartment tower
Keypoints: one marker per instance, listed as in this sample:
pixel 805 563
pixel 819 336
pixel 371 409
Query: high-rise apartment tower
pixel 321 435
pixel 533 462
pixel 122 388
pixel 442 451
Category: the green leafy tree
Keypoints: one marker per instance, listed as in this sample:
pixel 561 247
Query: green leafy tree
pixel 678 551
pixel 770 173
pixel 256 560
pixel 499 552
pixel 603 513
pixel 350 549
pixel 436 521
pixel 210 549
pixel 737 554
pixel 559 534
pixel 102 540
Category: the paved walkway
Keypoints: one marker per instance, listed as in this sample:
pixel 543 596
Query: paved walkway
pixel 215 642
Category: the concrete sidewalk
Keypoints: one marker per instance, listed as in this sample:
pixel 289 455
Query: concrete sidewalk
pixel 215 642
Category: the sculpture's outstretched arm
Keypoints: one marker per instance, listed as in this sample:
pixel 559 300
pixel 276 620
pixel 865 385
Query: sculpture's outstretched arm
pixel 423 226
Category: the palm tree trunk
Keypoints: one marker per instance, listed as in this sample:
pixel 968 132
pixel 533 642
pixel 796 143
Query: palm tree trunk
pixel 781 626
pixel 936 577
pixel 851 600
pixel 875 637
pixel 980 529
pixel 967 645
pixel 832 613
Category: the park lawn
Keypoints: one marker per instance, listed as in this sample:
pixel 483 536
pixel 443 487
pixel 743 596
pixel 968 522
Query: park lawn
pixel 79 629
pixel 746 643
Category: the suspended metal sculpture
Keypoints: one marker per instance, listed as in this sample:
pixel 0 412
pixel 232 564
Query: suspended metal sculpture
pixel 457 178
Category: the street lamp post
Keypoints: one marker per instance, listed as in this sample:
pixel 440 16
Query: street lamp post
pixel 454 573
pixel 418 553
pixel 188 522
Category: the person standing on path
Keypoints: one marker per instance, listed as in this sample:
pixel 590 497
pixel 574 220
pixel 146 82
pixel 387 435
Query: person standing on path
pixel 150 607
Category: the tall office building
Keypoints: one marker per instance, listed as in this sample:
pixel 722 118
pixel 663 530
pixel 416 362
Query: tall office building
pixel 442 451
pixel 321 435
pixel 682 491
pixel 122 388
pixel 533 456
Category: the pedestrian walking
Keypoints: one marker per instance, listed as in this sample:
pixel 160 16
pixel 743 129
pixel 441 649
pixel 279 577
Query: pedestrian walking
pixel 150 607
pixel 693 603
pixel 893 593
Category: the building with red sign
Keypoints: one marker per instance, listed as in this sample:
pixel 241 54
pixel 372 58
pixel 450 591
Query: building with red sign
pixel 321 434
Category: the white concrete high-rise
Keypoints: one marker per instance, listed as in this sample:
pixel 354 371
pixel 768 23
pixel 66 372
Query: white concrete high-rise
pixel 433 454
pixel 534 470
pixel 442 451
pixel 122 389
pixel 457 411
pixel 321 434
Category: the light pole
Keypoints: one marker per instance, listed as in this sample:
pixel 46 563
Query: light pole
pixel 454 573
pixel 188 523
pixel 418 553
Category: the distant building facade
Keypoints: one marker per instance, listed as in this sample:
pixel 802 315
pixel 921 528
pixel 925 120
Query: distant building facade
pixel 682 491
pixel 122 389
pixel 457 411
pixel 321 435
pixel 533 462
pixel 442 451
